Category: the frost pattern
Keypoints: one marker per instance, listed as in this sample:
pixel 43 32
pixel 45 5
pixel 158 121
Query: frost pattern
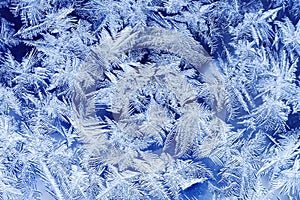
pixel 172 99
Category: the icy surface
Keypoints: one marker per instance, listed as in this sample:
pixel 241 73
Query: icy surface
pixel 172 99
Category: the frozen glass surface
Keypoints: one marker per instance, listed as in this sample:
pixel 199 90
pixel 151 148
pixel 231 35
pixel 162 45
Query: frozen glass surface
pixel 148 99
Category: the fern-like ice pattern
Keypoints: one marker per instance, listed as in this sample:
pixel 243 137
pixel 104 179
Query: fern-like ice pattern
pixel 172 99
